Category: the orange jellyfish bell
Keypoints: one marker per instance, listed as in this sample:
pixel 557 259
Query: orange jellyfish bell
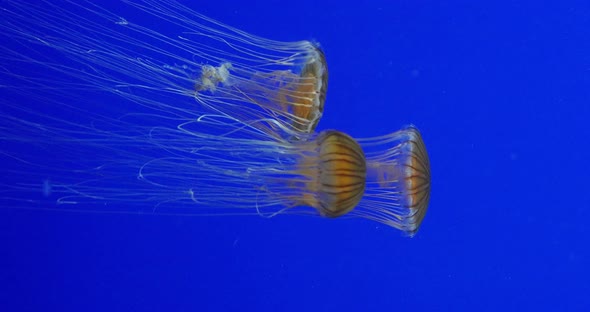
pixel 335 176
pixel 310 93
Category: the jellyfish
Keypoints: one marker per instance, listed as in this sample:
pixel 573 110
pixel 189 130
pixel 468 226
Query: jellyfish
pixel 179 169
pixel 198 63
pixel 101 114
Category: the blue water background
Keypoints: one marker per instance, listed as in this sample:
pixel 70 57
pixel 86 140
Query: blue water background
pixel 500 91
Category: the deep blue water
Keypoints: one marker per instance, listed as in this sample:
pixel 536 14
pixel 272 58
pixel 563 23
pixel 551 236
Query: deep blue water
pixel 500 91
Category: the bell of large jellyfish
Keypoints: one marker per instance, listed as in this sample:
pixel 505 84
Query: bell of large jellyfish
pixel 196 65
